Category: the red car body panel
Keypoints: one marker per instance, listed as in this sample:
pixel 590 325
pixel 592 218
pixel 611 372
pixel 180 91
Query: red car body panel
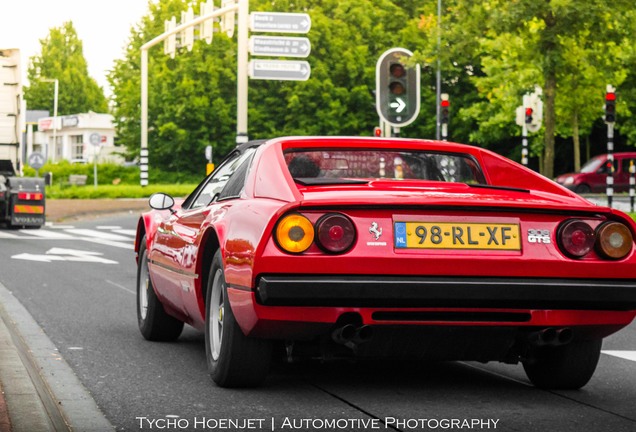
pixel 179 246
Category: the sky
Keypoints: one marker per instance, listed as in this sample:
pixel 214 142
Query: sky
pixel 103 26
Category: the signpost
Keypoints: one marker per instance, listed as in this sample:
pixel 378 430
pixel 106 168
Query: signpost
pixel 234 13
pixel 281 70
pixel 280 46
pixel 280 22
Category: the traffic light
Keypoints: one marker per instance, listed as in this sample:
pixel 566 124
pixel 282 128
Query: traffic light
pixel 445 110
pixel 377 131
pixel 610 107
pixel 529 112
pixel 397 88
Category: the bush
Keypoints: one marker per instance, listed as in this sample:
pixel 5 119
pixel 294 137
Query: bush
pixel 109 174
pixel 116 191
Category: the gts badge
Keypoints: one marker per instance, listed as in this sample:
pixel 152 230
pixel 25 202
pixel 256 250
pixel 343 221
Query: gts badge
pixel 539 236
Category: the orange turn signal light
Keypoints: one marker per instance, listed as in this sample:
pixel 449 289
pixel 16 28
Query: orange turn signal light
pixel 295 233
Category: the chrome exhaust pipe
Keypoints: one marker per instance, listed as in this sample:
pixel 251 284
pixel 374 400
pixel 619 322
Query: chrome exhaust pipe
pixel 544 337
pixel 343 335
pixel 551 337
pixel 363 334
pixel 564 336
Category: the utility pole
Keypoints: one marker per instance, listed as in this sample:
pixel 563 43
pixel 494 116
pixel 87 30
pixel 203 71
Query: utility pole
pixel 438 98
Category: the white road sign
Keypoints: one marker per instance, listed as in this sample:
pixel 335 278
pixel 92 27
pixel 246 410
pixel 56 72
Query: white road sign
pixel 299 47
pixel 280 22
pixel 281 70
pixel 36 160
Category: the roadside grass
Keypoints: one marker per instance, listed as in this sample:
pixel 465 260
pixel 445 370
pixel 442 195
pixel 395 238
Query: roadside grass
pixel 116 191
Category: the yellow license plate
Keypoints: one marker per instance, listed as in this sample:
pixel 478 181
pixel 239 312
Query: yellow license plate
pixel 457 235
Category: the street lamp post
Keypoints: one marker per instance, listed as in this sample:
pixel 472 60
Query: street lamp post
pixel 55 94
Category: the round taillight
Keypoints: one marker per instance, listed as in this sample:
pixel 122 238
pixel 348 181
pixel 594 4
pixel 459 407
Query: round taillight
pixel 613 240
pixel 295 233
pixel 335 233
pixel 576 238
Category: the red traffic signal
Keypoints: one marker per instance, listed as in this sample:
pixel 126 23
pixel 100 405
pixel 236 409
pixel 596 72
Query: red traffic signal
pixel 377 132
pixel 529 112
pixel 610 107
pixel 445 111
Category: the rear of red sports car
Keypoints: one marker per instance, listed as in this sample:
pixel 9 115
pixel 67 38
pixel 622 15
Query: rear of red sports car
pixel 413 249
pixel 380 248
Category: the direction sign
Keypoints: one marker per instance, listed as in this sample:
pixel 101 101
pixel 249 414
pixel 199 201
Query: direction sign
pixel 281 70
pixel 36 160
pixel 280 22
pixel 280 46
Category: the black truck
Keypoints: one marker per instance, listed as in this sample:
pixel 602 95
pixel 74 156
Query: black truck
pixel 22 199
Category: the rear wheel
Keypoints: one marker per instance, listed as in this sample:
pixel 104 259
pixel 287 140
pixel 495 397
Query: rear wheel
pixel 234 360
pixel 582 188
pixel 564 367
pixel 154 323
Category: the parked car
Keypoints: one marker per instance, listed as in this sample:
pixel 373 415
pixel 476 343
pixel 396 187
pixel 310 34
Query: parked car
pixel 593 175
pixel 362 248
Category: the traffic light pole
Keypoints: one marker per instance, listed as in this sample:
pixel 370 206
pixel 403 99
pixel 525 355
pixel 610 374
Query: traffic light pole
pixel 610 160
pixel 444 132
pixel 632 184
pixel 524 144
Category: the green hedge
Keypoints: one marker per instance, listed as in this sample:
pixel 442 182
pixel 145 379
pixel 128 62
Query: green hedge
pixel 116 191
pixel 110 174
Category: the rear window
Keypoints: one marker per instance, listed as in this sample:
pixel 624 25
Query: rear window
pixel 372 164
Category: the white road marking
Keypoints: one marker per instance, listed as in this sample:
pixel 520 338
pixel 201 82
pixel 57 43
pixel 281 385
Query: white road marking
pixel 108 227
pixel 97 234
pixel 128 232
pixel 45 234
pixel 8 235
pixel 35 257
pixel 121 287
pixel 128 245
pixel 60 254
pixel 629 355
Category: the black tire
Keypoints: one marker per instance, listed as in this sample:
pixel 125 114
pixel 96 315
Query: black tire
pixel 566 367
pixel 582 189
pixel 154 323
pixel 234 360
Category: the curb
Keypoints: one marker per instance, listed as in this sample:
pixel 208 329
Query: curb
pixel 41 390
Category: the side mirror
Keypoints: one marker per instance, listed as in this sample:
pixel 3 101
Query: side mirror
pixel 161 201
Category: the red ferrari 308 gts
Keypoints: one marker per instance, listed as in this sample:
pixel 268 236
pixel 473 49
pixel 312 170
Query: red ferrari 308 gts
pixel 385 248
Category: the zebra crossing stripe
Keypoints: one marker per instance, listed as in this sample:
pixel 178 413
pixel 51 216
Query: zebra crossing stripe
pixel 628 355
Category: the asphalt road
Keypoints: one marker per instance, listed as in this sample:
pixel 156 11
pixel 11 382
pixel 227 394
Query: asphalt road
pixel 78 282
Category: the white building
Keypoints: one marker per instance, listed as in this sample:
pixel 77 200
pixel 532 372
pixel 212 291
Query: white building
pixel 78 138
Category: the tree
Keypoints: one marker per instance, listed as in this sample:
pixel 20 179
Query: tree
pixel 192 98
pixel 62 58
pixel 562 46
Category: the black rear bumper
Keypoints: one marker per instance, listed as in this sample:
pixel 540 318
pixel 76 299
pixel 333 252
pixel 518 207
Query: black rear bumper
pixel 447 292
